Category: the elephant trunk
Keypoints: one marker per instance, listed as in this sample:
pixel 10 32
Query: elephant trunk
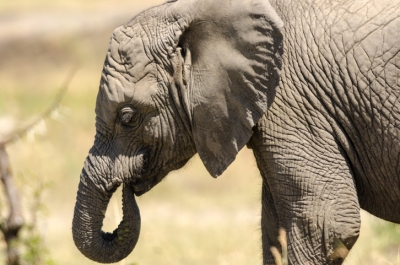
pixel 90 209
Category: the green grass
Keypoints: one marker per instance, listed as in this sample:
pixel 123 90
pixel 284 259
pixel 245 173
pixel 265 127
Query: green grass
pixel 190 218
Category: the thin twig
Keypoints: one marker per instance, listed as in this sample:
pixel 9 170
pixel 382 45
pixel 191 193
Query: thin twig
pixel 47 112
pixel 15 221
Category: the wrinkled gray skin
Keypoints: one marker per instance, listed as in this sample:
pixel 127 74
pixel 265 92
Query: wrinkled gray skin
pixel 184 77
pixel 197 75
pixel 330 143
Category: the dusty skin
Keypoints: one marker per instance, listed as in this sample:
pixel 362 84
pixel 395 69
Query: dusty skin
pixel 185 77
pixel 190 218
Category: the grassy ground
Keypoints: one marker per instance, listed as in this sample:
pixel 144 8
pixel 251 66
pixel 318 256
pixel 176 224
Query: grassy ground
pixel 189 218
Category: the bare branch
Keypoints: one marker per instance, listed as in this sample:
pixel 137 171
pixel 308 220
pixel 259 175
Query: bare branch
pixel 15 221
pixel 46 113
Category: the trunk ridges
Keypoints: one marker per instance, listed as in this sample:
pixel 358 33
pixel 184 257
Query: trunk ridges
pixel 89 213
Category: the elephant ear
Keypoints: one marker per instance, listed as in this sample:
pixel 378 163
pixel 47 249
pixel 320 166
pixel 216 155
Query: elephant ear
pixel 231 56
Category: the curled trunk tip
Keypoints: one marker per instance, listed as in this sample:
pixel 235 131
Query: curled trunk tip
pixel 89 212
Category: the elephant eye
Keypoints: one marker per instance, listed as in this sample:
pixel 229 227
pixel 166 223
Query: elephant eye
pixel 128 117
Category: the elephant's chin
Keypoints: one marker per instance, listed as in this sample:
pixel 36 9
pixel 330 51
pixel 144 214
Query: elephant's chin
pixel 142 187
pixel 146 183
pixel 89 213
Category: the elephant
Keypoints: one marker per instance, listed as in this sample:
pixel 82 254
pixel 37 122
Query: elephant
pixel 312 87
pixel 180 78
pixel 330 143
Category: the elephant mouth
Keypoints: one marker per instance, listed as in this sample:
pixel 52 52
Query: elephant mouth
pixel 149 179
pixel 141 186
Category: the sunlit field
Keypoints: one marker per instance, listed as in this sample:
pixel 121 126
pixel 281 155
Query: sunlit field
pixel 189 218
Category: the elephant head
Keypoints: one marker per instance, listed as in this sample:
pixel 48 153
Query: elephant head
pixel 184 77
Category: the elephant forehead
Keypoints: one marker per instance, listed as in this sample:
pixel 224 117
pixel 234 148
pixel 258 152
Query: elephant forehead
pixel 128 74
pixel 113 95
pixel 129 48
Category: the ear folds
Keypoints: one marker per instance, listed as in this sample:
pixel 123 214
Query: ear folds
pixel 229 72
pixel 180 85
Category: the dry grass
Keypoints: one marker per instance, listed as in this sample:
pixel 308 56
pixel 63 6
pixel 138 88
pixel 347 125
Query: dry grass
pixel 189 218
pixel 281 258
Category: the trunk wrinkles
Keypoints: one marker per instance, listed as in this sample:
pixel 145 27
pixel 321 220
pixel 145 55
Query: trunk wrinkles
pixel 89 213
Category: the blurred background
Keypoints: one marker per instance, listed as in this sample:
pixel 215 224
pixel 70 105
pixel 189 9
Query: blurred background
pixel 190 218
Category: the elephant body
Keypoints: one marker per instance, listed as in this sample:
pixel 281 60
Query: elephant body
pixel 330 143
pixel 202 76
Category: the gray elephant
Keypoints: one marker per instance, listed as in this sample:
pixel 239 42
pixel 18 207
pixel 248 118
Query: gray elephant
pixel 199 76
pixel 330 143
pixel 184 77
